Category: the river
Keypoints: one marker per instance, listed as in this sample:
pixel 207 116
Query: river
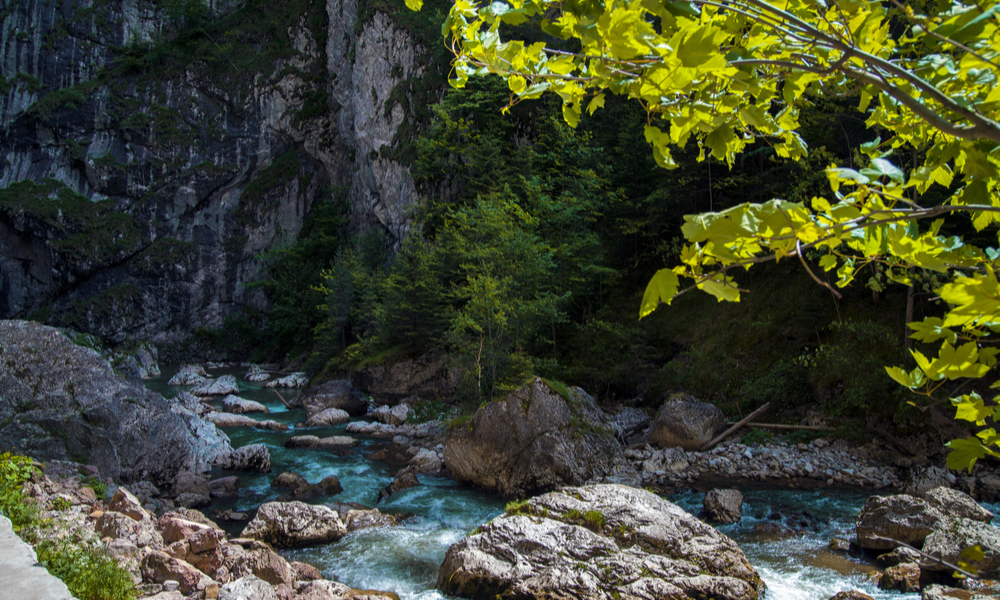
pixel 784 533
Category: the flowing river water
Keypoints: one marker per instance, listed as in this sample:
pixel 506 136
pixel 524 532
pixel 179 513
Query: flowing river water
pixel 784 533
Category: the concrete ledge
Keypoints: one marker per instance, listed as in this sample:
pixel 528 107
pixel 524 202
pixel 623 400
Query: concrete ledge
pixel 21 576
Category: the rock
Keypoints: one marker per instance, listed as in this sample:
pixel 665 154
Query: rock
pixel 159 567
pixel 391 415
pixel 224 487
pixel 851 595
pixel 686 423
pixel 590 542
pixel 332 590
pixel 221 419
pixel 256 374
pixel 175 528
pixel 223 386
pixel 117 526
pixel 231 516
pixel 328 418
pixel 333 394
pixel 235 404
pixel 329 486
pixel 60 401
pixel 294 380
pixel 189 375
pixel 187 482
pixel 380 430
pixel 534 439
pixel 899 556
pixel 673 460
pixel 904 577
pixel 956 504
pixel 950 538
pixel 124 502
pixel 921 479
pixel 428 376
pixel 629 423
pixel 403 481
pixel 294 524
pixel 292 481
pixel 306 572
pixel 254 457
pixel 355 518
pixel 940 592
pixel 247 588
pixel 724 506
pixel 426 461
pixel 903 518
pixel 253 557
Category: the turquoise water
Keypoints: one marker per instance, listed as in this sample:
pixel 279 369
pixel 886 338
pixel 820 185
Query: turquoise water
pixel 405 559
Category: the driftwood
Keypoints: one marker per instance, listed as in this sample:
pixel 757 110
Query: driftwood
pixel 735 427
pixel 282 399
pixel 787 427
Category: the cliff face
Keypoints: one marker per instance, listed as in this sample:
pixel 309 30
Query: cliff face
pixel 150 156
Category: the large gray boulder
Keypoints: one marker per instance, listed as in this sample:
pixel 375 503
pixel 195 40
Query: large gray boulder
pixel 60 401
pixel 950 538
pixel 901 517
pixel 295 524
pixel 534 440
pixel 223 386
pixel 598 542
pixel 237 405
pixel 253 457
pixel 333 394
pixel 189 375
pixel 686 423
pixel 957 505
pixel 724 506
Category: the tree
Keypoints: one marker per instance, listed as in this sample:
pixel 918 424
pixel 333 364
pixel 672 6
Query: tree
pixel 731 75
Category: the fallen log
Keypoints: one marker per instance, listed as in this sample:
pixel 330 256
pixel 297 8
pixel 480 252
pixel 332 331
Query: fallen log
pixel 735 427
pixel 787 427
pixel 282 399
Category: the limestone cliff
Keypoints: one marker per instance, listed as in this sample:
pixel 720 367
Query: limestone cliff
pixel 149 157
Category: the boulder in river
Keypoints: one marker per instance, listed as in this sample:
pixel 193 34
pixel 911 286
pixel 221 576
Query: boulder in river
pixel 61 401
pixel 404 480
pixel 941 592
pixel 901 517
pixel 223 386
pixel 724 506
pixel 598 542
pixel 950 538
pixel 294 380
pixel 535 440
pixel 256 374
pixel 328 486
pixel 686 423
pixel 222 419
pixel 295 524
pixel 904 577
pixel 851 595
pixel 237 405
pixel 189 375
pixel 247 588
pixel 391 415
pixel 335 442
pixel 956 504
pixel 287 480
pixel 333 394
pixel 328 418
pixel 254 457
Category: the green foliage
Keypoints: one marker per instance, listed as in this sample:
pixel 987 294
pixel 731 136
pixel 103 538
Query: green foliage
pixel 519 507
pixel 14 471
pixel 89 573
pixel 431 410
pixel 61 504
pixel 757 436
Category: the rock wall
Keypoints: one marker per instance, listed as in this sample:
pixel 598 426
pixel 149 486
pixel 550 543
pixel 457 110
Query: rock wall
pixel 144 171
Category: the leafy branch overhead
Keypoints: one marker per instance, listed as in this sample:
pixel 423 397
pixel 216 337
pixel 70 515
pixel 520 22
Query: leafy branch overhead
pixel 725 75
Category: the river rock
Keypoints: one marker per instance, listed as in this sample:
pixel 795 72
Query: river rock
pixel 191 489
pixel 380 430
pixel 672 460
pixel 294 524
pixel 306 572
pixel 899 556
pixel 116 526
pixel 686 423
pixel 901 517
pixel 223 386
pixel 403 481
pixel 329 486
pixel 333 394
pixel 950 538
pixel 336 442
pixel 724 506
pixel 254 457
pixel 224 487
pixel 160 567
pixel 247 588
pixel 629 423
pixel 247 556
pixel 221 419
pixel 428 376
pixel 391 415
pixel 534 439
pixel 956 504
pixel 256 374
pixel 61 401
pixel 426 461
pixel 903 577
pixel 332 590
pixel 329 417
pixel 638 545
pixel 921 479
pixel 941 592
pixel 288 480
pixel 851 595
pixel 189 375
pixel 294 380
pixel 237 405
